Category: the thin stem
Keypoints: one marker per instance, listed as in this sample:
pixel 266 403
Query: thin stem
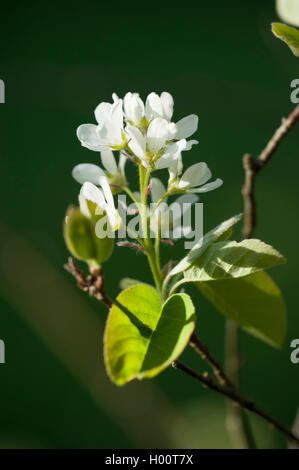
pixel 153 264
pixel 150 252
pixel 205 354
pixel 157 249
pixel 160 201
pixel 237 421
pixel 129 192
pixel 234 395
pixel 94 285
pixel 252 168
pixel 176 286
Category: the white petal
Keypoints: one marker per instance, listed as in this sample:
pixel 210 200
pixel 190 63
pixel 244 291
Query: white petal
pixel 186 126
pixel 102 112
pixel 109 162
pixel 195 175
pixel 153 106
pixel 89 138
pixel 87 172
pixel 104 183
pixel 134 107
pixel 190 143
pixel 110 207
pixel 176 168
pixel 171 155
pixel 208 187
pixel 167 103
pixel 115 124
pixel 136 141
pixel 90 192
pixel 157 189
pixel 157 134
pixel 115 97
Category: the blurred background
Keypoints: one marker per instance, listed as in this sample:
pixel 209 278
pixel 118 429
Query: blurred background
pixel 58 61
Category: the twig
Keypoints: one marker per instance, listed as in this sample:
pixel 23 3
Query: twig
pixel 93 283
pixel 234 395
pixel 237 421
pixel 205 354
pixel 252 168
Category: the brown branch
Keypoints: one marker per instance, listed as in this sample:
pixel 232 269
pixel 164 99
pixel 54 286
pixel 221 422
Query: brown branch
pixel 205 354
pixel 93 283
pixel 253 167
pixel 234 395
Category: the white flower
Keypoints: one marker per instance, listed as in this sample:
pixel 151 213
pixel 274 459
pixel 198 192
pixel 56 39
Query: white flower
pixel 186 126
pixel 103 198
pixel 149 135
pixel 159 106
pixel 194 178
pixel 133 108
pixel 172 154
pixel 90 172
pixel 109 131
pixel 164 218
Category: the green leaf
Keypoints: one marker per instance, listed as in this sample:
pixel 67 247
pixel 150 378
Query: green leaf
pixel 230 259
pixel 254 302
pixel 221 232
pixel 127 282
pixel 81 240
pixel 142 337
pixel 287 34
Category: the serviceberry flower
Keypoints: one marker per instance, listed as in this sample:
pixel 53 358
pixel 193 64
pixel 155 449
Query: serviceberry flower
pixel 193 179
pixel 146 132
pixel 103 198
pixel 108 134
pixel 115 173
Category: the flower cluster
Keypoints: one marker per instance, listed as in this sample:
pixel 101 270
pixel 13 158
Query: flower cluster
pixel 145 131
pixel 145 134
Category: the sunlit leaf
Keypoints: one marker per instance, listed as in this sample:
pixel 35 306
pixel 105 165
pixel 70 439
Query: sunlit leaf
pixel 127 282
pixel 221 232
pixel 142 337
pixel 254 302
pixel 81 239
pixel 230 259
pixel 287 34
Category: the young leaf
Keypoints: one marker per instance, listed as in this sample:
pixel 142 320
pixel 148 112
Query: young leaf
pixel 127 282
pixel 142 337
pixel 254 302
pixel 222 231
pixel 81 240
pixel 230 259
pixel 287 34
pixel 79 235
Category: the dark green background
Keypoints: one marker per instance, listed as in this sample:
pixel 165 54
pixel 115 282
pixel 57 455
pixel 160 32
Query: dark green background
pixel 59 60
